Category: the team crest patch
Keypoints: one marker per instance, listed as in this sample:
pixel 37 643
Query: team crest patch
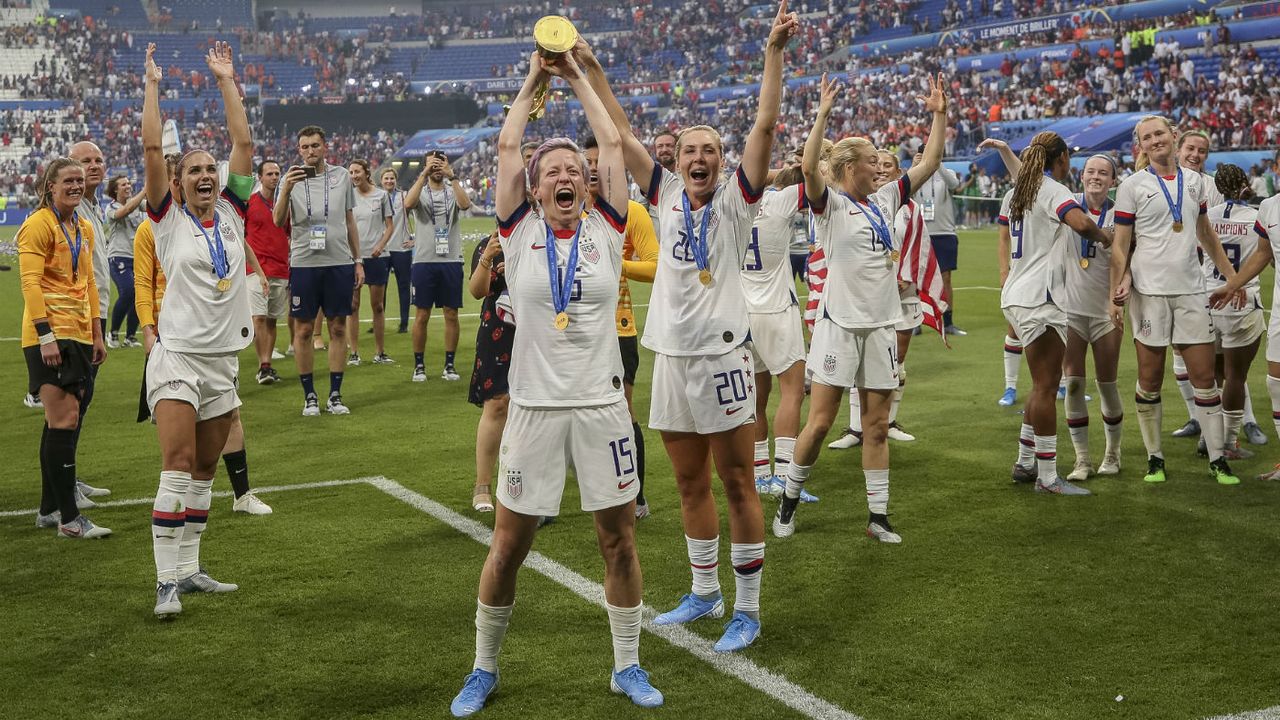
pixel 174 385
pixel 1145 328
pixel 515 483
pixel 590 252
pixel 226 228
pixel 829 364
pixel 297 301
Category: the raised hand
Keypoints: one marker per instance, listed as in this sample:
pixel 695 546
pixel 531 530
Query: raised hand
pixel 785 27
pixel 992 144
pixel 584 56
pixel 937 100
pixel 153 72
pixel 562 67
pixel 220 61
pixel 830 87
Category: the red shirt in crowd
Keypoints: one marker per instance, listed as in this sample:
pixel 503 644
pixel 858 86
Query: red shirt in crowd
pixel 269 243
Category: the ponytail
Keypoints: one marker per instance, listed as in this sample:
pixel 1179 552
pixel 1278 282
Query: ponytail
pixel 1044 150
pixel 1232 182
pixel 50 174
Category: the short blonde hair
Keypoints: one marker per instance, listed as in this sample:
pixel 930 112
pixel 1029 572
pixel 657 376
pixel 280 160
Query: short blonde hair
pixel 846 152
pixel 704 128
pixel 1140 159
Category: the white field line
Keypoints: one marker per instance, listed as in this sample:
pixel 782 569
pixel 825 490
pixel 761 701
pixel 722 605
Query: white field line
pixel 736 666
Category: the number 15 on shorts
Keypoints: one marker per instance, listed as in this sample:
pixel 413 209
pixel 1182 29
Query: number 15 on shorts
pixel 624 457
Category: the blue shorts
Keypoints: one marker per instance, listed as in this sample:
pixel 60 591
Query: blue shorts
pixel 377 270
pixel 321 288
pixel 799 266
pixel 947 249
pixel 436 285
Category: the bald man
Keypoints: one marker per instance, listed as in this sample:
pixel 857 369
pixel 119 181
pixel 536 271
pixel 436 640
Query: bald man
pixel 95 168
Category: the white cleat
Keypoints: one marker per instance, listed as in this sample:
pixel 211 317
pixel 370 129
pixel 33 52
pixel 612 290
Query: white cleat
pixel 32 401
pixel 1081 471
pixel 82 528
pixel 849 438
pixel 450 374
pixel 335 406
pixel 1110 465
pixel 276 354
pixel 200 582
pixel 880 530
pixel 311 408
pixel 167 603
pixel 52 520
pixel 419 374
pixel 897 433
pixel 249 503
pixel 83 502
pixel 90 491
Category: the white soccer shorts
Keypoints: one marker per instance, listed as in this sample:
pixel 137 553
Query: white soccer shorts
pixel 866 358
pixel 1032 322
pixel 1162 320
pixel 912 316
pixel 777 340
pixel 1236 331
pixel 205 382
pixel 703 394
pixel 1092 329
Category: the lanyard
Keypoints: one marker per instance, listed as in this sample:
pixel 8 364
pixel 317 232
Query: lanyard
pixel 431 203
pixel 697 243
pixel 217 251
pixel 562 287
pixel 79 243
pixel 306 186
pixel 1102 221
pixel 1174 207
pixel 878 225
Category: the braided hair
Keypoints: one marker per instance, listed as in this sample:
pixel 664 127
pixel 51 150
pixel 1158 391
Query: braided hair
pixel 1044 150
pixel 1232 182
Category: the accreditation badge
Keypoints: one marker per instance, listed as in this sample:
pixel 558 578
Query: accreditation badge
pixel 318 234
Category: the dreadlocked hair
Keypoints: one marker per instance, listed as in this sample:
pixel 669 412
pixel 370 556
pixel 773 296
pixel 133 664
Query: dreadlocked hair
pixel 46 180
pixel 1232 182
pixel 1044 150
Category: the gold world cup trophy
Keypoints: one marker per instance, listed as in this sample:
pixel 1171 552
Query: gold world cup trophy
pixel 554 36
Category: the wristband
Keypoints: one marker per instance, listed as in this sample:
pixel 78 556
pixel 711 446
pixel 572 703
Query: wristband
pixel 43 328
pixel 360 261
pixel 48 339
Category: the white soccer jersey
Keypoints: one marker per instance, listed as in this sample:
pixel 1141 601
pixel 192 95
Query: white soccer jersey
pixel 197 318
pixel 400 235
pixel 687 318
pixel 1235 224
pixel 371 211
pixel 1088 289
pixel 935 201
pixel 1267 226
pixel 1164 262
pixel 861 288
pixel 1037 248
pixel 580 365
pixel 766 274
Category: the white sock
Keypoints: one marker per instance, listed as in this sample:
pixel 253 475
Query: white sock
pixel 1012 361
pixel 855 410
pixel 704 561
pixel 1047 458
pixel 1208 407
pixel 748 566
pixel 1150 414
pixel 1273 389
pixel 168 517
pixel 1231 422
pixel 1077 418
pixel 762 458
pixel 877 491
pixel 624 625
pixel 491 627
pixel 797 475
pixel 1112 415
pixel 199 498
pixel 1184 385
pixel 1249 417
pixel 1027 446
pixel 783 449
pixel 896 400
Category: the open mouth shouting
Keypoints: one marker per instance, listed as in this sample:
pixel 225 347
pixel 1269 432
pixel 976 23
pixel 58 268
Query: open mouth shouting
pixel 699 174
pixel 564 198
pixel 205 189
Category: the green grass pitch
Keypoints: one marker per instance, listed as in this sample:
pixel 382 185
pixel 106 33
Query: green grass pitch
pixel 999 603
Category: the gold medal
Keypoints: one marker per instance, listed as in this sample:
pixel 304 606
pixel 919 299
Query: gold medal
pixel 704 277
pixel 224 284
pixel 895 256
pixel 1177 226
pixel 562 320
pixel 1084 263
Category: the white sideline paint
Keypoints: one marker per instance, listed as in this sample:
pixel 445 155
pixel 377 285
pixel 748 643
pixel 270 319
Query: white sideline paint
pixel 736 666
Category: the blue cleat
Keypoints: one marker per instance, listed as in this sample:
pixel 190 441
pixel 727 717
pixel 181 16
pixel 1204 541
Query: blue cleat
pixel 764 486
pixel 779 488
pixel 633 682
pixel 739 633
pixel 1009 397
pixel 476 689
pixel 690 609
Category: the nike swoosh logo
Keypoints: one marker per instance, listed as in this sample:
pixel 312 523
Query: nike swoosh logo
pixel 538 247
pixel 1151 196
pixel 625 485
pixel 732 411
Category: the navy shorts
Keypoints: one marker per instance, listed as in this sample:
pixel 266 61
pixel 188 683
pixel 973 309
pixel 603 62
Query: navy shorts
pixel 947 249
pixel 436 285
pixel 377 270
pixel 321 288
pixel 799 266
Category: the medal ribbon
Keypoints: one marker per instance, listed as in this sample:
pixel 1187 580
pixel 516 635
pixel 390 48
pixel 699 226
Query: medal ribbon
pixel 306 186
pixel 217 251
pixel 1174 208
pixel 697 243
pixel 562 287
pixel 878 224
pixel 79 243
pixel 1102 221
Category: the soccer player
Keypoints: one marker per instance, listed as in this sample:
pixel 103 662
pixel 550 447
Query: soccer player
pixel 854 343
pixel 639 263
pixel 401 246
pixel 490 386
pixel 703 399
pixel 1267 228
pixel 1162 212
pixel 191 373
pixel 567 403
pixel 324 261
pixel 1237 330
pixel 121 222
pixel 61 336
pixel 374 223
pixel 437 201
pixel 777 334
pixel 938 208
pixel 270 244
